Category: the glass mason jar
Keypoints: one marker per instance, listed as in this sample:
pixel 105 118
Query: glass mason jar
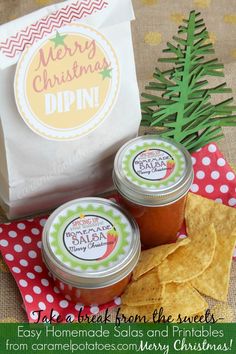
pixel 91 246
pixel 153 176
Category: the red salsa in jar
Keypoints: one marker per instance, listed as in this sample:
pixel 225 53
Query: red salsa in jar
pixel 91 246
pixel 153 176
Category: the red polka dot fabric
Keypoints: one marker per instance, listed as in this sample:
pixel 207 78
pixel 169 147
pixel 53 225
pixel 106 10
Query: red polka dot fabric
pixel 20 244
pixel 214 178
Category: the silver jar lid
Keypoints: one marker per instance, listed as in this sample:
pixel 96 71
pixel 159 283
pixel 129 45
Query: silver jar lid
pixel 152 171
pixel 90 243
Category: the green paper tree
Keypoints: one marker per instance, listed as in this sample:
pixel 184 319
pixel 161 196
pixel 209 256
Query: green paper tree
pixel 180 102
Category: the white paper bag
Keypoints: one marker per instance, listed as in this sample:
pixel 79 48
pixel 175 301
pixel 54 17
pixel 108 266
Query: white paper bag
pixel 69 100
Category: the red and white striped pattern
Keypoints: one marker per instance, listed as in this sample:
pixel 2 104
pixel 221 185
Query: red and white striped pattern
pixel 17 43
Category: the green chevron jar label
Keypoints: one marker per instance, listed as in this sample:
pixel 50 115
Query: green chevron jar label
pixel 153 164
pixel 90 235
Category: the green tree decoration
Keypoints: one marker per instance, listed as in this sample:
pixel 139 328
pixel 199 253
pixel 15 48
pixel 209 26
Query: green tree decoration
pixel 180 102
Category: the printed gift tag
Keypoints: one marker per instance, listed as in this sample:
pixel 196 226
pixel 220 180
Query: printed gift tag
pixel 67 83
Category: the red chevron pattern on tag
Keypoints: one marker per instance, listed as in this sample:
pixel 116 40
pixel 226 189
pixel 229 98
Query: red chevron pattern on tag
pixel 17 43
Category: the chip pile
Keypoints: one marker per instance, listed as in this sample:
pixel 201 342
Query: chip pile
pixel 172 276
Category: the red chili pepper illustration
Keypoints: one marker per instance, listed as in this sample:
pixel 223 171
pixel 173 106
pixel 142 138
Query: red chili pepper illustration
pixel 112 238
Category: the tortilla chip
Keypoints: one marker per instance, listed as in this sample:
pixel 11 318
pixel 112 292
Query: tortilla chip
pixel 178 300
pixel 214 282
pixel 182 299
pixel 152 257
pixel 146 290
pixel 201 212
pixel 188 262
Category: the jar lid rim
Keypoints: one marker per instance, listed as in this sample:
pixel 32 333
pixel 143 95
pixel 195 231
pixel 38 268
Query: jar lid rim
pixel 62 259
pixel 157 170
